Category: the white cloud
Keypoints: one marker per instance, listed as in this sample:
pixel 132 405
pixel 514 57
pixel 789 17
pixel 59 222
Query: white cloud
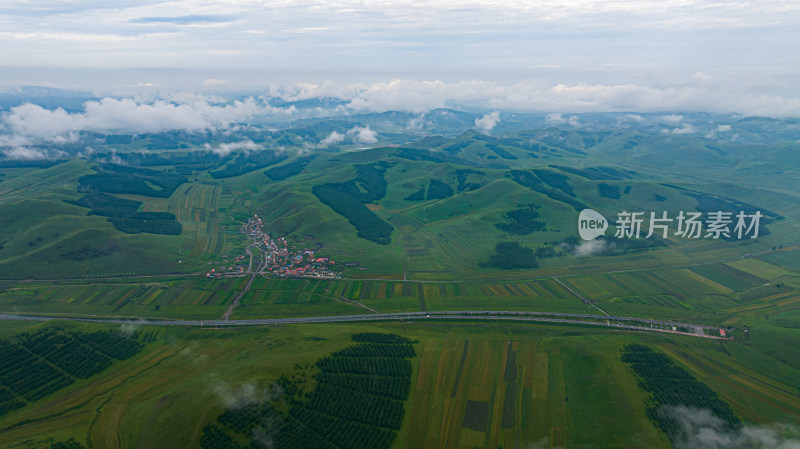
pixel 29 123
pixel 672 119
pixel 357 134
pixel 556 118
pixel 574 121
pixel 685 129
pixel 487 122
pixel 701 429
pixel 363 135
pixel 593 247
pixel 720 129
pixel 333 138
pixel 224 149
pixel 24 153
pixel 401 95
pixel 416 122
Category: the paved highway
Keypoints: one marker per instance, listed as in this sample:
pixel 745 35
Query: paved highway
pixel 634 324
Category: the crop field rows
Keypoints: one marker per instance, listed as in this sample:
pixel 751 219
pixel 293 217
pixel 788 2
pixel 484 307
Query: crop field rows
pixel 665 293
pixel 36 182
pixel 500 394
pixel 196 207
pixel 150 299
pixel 510 393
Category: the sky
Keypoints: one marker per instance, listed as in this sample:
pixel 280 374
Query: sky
pixel 539 55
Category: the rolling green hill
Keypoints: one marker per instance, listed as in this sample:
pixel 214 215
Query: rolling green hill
pixel 459 220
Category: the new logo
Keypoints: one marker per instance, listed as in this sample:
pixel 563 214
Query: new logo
pixel 591 224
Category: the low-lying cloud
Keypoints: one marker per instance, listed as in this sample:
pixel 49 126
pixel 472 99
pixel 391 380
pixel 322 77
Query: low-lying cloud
pixel 25 128
pixel 591 248
pixel 363 135
pixel 245 394
pixel 225 149
pixel 701 429
pixel 488 122
pixel 357 135
pixel 334 138
pixel 182 112
pixel 25 153
pixel 693 95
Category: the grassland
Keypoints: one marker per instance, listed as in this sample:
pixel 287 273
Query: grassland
pixel 442 238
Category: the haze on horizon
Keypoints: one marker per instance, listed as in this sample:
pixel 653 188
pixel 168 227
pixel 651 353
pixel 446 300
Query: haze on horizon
pixel 571 56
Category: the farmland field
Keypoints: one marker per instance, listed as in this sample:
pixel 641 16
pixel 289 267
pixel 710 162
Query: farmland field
pixel 471 384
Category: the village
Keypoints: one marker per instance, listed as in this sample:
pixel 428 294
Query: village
pixel 268 256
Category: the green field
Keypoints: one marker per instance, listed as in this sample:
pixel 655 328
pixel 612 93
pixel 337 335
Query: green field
pixel 562 386
pixel 444 237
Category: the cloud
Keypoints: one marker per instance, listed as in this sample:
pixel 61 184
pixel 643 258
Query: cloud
pixel 593 247
pixel 531 96
pixel 487 122
pixel 29 123
pixel 401 95
pixel 363 135
pixel 24 153
pixel 720 129
pixel 356 134
pixel 128 329
pixel 672 119
pixel 417 122
pixel 246 394
pixel 701 429
pixel 685 129
pixel 184 20
pixel 333 138
pixel 224 149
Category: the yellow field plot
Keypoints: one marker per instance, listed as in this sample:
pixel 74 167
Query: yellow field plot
pixel 526 290
pixel 430 290
pixel 495 290
pixel 201 296
pixel 706 281
pixel 380 293
pixel 152 297
pixel 457 378
pixel 123 298
pixel 422 412
pixel 756 267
